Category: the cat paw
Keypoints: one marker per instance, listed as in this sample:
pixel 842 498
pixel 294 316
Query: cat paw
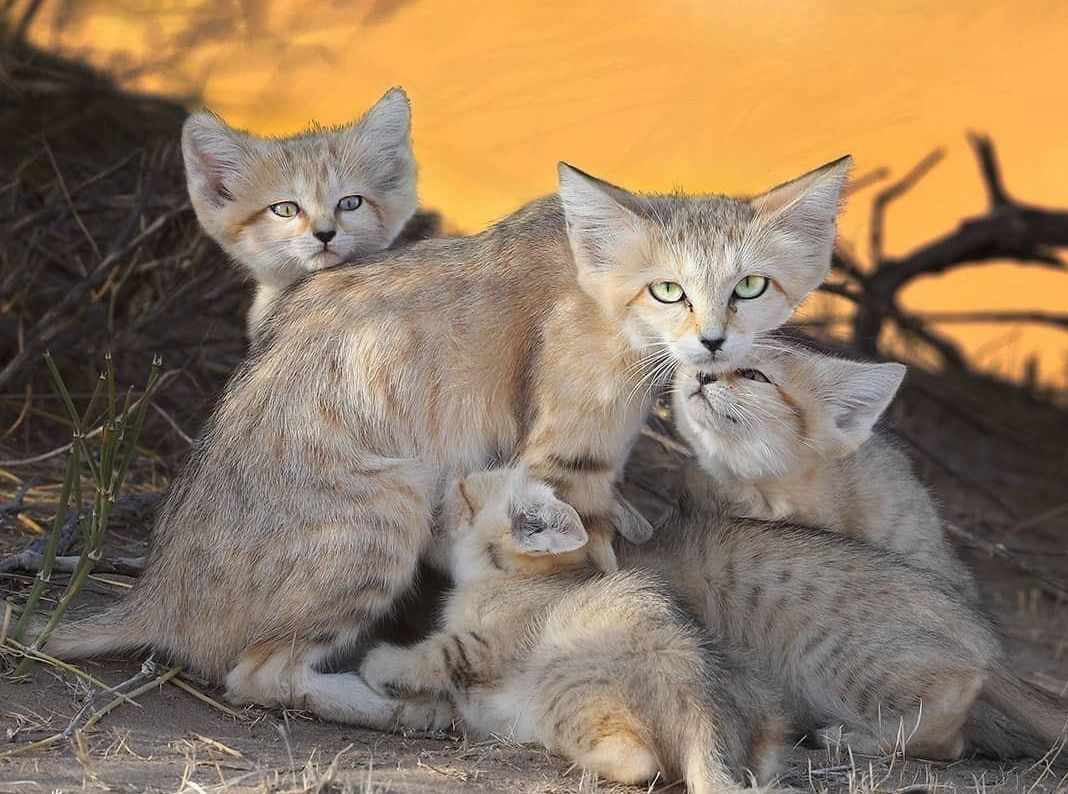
pixel 425 714
pixel 837 738
pixel 381 667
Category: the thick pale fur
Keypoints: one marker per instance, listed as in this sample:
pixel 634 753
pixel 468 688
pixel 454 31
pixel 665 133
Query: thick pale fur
pixel 302 514
pixel 234 177
pixel 867 649
pixel 607 670
pixel 799 445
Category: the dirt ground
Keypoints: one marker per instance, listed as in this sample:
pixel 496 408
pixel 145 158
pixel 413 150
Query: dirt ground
pixel 176 742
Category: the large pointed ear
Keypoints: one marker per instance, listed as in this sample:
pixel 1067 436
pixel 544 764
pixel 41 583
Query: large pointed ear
pixel 547 527
pixel 855 395
pixel 810 200
pixel 803 212
pixel 601 218
pixel 214 154
pixel 383 141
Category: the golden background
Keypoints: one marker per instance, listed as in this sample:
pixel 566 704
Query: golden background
pixel 717 95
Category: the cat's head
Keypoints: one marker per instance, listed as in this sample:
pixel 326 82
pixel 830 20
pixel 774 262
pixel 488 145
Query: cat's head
pixel 502 520
pixel 782 409
pixel 283 207
pixel 696 278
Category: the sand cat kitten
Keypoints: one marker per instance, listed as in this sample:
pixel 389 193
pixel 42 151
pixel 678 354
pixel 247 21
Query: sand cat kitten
pixel 302 516
pixel 608 671
pixel 855 637
pixel 788 434
pixel 282 207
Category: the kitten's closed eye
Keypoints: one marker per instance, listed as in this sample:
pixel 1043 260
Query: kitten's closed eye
pixel 753 374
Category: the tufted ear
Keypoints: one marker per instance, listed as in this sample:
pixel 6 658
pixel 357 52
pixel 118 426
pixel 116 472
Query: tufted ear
pixel 379 144
pixel 802 212
pixel 551 527
pixel 855 394
pixel 601 218
pixel 810 200
pixel 214 154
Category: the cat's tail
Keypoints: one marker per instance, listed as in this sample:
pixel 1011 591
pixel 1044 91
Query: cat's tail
pixel 1042 715
pixel 119 628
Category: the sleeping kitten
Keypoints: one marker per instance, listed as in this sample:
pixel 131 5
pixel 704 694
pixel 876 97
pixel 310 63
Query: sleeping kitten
pixel 607 671
pixel 867 649
pixel 283 207
pixel 301 518
pixel 788 434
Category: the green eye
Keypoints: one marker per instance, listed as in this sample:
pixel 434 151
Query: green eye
pixel 667 291
pixel 350 203
pixel 751 287
pixel 285 209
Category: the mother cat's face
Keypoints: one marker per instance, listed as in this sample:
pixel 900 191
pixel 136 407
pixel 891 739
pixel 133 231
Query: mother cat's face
pixel 696 278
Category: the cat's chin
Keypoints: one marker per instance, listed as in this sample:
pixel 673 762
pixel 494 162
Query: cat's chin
pixel 321 259
pixel 704 415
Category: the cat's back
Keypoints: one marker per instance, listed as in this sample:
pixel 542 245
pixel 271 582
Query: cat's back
pixel 522 260
pixel 880 490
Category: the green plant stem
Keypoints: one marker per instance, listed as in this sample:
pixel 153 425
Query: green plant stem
pixel 44 573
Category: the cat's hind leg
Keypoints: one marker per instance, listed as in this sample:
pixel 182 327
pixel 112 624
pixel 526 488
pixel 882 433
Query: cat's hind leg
pixel 602 737
pixel 288 675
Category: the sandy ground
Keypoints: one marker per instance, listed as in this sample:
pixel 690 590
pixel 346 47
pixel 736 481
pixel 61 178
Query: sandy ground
pixel 175 742
pixel 998 463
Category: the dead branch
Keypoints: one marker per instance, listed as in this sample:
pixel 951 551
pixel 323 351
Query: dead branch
pixel 29 559
pixel 997 550
pixel 1008 230
pixel 884 197
pixel 1036 318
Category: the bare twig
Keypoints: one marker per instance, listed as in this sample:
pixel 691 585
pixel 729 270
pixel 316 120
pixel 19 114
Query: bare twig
pixel 56 319
pixel 1036 317
pixel 995 549
pixel 990 169
pixel 886 196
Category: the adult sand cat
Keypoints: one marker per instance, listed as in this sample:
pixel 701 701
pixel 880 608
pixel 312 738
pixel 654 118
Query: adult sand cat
pixel 302 515
pixel 868 650
pixel 606 670
pixel 283 207
pixel 788 435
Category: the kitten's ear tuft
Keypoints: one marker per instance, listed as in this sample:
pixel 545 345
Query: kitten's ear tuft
pixel 547 528
pixel 599 217
pixel 813 197
pixel 857 394
pixel 389 120
pixel 801 214
pixel 378 148
pixel 213 153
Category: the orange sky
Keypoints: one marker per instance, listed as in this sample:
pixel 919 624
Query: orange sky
pixel 726 95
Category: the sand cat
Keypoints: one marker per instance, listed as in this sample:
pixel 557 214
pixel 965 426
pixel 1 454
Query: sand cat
pixel 608 671
pixel 868 650
pixel 788 435
pixel 283 207
pixel 302 515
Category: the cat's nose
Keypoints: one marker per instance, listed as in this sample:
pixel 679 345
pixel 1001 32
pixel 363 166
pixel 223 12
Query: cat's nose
pixel 325 236
pixel 713 345
pixel 705 378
